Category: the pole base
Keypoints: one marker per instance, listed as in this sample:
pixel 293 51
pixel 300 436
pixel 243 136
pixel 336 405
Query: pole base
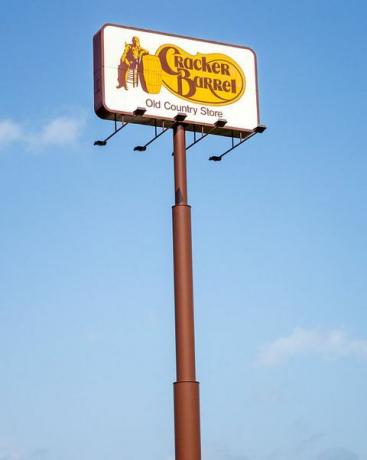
pixel 187 420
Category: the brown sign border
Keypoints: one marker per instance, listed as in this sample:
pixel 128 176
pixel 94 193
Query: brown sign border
pixel 103 112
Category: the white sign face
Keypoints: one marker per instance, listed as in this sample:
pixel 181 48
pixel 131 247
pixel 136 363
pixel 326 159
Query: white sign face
pixel 168 74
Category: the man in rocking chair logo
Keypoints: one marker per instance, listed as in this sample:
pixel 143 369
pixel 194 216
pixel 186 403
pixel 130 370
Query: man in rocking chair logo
pixel 129 63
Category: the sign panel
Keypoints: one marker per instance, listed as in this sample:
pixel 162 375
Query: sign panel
pixel 170 74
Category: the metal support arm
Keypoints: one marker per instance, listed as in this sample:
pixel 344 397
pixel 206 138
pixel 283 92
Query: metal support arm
pixel 258 129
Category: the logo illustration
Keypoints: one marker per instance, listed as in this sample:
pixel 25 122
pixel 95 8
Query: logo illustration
pixel 213 79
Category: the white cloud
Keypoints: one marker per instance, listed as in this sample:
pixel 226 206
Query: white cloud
pixel 10 131
pixel 331 344
pixel 58 132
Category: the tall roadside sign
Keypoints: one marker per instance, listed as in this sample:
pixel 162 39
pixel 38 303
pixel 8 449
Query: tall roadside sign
pixel 181 84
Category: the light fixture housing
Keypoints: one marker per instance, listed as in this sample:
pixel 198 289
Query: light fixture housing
pixel 140 148
pixel 100 143
pixel 180 117
pixel 260 129
pixel 220 123
pixel 139 112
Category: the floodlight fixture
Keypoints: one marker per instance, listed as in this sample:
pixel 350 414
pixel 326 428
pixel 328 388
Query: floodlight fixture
pixel 139 112
pixel 140 148
pixel 220 123
pixel 180 117
pixel 215 158
pixel 260 129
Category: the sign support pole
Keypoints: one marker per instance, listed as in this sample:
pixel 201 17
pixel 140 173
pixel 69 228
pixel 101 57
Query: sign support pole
pixel 186 388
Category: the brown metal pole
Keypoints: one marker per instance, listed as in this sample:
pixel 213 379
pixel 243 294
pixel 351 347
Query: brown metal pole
pixel 186 388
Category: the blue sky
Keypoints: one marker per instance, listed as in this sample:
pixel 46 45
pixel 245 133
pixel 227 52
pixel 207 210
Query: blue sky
pixel 279 241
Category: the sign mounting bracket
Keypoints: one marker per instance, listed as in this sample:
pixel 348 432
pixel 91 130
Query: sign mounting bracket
pixel 258 129
pixel 180 117
pixel 101 143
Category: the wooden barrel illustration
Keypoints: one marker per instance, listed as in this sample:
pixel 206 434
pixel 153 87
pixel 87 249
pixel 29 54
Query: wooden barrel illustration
pixel 150 74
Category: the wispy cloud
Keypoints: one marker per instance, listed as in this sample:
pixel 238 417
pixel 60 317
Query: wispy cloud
pixel 57 132
pixel 330 344
pixel 10 131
